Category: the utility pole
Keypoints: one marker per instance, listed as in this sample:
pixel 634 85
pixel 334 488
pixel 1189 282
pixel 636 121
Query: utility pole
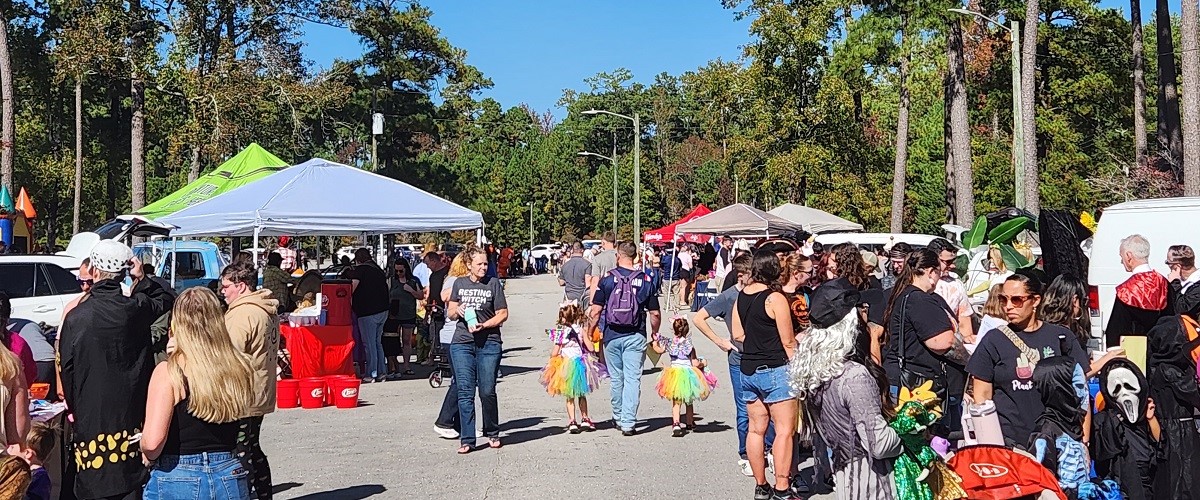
pixel 376 131
pixel 531 226
pixel 637 181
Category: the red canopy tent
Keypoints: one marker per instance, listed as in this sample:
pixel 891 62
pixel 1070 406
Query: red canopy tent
pixel 666 234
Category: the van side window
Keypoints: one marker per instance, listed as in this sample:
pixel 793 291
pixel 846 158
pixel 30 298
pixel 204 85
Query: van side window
pixel 17 280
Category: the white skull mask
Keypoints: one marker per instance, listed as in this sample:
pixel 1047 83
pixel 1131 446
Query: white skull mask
pixel 1126 389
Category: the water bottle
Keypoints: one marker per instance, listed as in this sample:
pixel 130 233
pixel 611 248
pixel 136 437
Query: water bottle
pixel 985 424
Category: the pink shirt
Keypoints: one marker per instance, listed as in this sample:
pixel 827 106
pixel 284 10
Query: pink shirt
pixel 17 345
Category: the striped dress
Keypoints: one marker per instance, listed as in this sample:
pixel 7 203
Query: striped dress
pixel 846 413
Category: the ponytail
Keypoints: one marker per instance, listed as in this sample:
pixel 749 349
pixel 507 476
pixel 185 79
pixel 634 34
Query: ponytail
pixel 914 266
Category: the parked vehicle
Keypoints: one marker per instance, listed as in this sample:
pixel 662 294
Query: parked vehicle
pixel 1164 222
pixel 875 241
pixel 544 251
pixel 185 263
pixel 40 286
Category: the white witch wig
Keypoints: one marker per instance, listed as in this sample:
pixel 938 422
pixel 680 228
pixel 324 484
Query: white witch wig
pixel 821 355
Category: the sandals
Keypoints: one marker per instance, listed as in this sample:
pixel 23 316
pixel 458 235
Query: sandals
pixel 588 425
pixel 573 428
pixel 494 443
pixel 464 449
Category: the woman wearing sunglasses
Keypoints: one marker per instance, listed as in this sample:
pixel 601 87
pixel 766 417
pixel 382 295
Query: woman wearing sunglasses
pixel 1003 363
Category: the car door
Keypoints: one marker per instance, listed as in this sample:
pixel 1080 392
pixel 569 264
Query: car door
pixel 31 296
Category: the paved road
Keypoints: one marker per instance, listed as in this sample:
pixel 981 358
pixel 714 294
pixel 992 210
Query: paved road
pixel 386 449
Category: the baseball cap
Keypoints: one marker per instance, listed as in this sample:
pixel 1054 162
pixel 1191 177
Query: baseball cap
pixel 111 256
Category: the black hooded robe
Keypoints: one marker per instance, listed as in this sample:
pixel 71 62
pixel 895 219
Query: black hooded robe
pixel 1176 397
pixel 1124 453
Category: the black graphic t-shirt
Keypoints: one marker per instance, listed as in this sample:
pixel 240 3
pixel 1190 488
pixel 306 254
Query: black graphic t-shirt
pixel 485 297
pixel 997 360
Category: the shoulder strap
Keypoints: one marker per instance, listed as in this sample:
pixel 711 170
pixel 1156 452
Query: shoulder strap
pixel 902 346
pixel 1030 353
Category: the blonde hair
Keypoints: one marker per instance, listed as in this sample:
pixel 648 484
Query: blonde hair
pixel 14 477
pixel 10 369
pixel 205 367
pixel 458 267
pixel 994 307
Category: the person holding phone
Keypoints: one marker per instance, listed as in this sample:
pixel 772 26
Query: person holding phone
pixel 399 333
pixel 1182 293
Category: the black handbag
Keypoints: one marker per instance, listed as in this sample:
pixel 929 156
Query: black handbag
pixel 914 382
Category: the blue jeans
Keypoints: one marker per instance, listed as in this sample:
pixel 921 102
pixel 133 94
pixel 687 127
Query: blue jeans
pixel 201 476
pixel 769 385
pixel 371 329
pixel 743 418
pixel 624 357
pixel 475 367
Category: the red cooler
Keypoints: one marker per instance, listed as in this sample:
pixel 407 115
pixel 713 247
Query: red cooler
pixel 335 298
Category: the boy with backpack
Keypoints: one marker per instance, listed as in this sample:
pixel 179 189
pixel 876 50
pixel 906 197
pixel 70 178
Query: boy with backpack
pixel 623 299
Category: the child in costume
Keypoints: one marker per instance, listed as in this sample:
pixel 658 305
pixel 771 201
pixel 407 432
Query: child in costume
pixel 684 381
pixel 1125 433
pixel 1057 439
pixel 572 371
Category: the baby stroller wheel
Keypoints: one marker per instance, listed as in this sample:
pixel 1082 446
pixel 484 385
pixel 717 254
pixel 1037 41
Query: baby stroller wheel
pixel 435 379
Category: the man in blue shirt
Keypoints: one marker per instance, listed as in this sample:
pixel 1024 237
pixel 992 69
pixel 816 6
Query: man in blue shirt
pixel 625 346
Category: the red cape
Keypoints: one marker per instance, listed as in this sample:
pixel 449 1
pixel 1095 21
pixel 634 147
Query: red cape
pixel 1146 290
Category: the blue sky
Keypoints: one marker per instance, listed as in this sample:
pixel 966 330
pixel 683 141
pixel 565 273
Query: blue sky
pixel 533 49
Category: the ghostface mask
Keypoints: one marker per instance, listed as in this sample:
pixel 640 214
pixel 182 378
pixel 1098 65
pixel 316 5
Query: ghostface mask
pixel 1124 386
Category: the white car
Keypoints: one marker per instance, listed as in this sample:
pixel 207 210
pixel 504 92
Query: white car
pixel 40 286
pixel 544 251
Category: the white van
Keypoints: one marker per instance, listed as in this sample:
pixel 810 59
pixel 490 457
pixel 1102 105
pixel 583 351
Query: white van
pixel 1164 222
pixel 875 241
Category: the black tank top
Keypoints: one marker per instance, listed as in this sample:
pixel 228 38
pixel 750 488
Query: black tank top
pixel 762 347
pixel 188 435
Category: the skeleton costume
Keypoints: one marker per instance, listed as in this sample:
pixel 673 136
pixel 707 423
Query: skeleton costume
pixel 1121 443
pixel 1172 377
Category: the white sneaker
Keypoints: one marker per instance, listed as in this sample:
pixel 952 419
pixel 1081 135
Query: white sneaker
pixel 445 433
pixel 744 465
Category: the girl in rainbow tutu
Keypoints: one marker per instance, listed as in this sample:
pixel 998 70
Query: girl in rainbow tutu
pixel 572 371
pixel 686 379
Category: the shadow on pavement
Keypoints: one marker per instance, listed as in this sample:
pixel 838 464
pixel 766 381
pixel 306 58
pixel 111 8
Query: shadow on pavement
pixel 351 493
pixel 282 487
pixel 654 424
pixel 714 426
pixel 521 423
pixel 509 370
pixel 525 436
pixel 651 371
pixel 515 349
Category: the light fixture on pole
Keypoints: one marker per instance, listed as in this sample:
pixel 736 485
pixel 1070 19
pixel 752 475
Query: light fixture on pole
pixel 1018 134
pixel 637 169
pixel 614 169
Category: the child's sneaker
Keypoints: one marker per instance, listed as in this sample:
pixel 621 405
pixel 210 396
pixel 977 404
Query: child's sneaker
pixel 677 431
pixel 573 428
pixel 588 425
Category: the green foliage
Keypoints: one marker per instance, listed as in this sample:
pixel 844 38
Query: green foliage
pixel 974 237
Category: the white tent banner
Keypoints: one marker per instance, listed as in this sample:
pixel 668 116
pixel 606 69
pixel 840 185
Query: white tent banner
pixel 815 221
pixel 322 198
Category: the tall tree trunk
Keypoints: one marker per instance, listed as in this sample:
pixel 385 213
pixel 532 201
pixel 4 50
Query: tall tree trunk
pixel 78 153
pixel 194 171
pixel 1169 136
pixel 6 114
pixel 948 147
pixel 899 178
pixel 1139 84
pixel 1191 98
pixel 137 120
pixel 960 141
pixel 1029 105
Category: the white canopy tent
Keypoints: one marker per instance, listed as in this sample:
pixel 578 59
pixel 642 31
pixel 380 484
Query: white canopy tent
pixel 815 221
pixel 739 220
pixel 322 198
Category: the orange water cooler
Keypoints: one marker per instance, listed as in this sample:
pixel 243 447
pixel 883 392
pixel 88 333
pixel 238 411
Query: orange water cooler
pixel 335 299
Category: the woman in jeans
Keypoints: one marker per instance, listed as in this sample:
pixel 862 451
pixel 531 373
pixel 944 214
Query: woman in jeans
pixel 193 406
pixel 478 304
pixel 762 321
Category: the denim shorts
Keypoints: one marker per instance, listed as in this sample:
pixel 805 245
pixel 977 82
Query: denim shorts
pixel 199 476
pixel 769 385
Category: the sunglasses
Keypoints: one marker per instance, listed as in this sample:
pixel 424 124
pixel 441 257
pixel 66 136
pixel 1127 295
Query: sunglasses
pixel 1015 300
pixel 83 282
pixel 947 261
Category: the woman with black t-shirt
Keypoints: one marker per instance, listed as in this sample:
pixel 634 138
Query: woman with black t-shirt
pixel 762 321
pixel 1003 363
pixel 922 341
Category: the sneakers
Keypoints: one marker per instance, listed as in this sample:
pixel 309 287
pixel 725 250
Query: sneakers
pixel 744 466
pixel 573 428
pixel 799 487
pixel 628 432
pixel 587 425
pixel 677 431
pixel 445 433
pixel 367 380
pixel 763 492
pixel 782 495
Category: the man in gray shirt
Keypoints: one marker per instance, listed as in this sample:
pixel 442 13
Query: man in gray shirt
pixel 604 262
pixel 572 276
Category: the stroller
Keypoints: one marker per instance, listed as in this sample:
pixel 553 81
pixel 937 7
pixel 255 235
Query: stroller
pixel 439 353
pixel 999 473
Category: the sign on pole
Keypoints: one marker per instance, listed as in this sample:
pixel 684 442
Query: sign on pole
pixel 377 124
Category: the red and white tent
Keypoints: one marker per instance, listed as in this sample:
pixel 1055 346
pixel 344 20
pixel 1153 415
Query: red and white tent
pixel 667 234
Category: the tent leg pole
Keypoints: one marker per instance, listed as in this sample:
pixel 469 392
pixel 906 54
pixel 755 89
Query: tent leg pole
pixel 256 247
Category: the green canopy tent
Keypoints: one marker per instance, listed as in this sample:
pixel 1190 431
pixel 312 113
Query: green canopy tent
pixel 250 165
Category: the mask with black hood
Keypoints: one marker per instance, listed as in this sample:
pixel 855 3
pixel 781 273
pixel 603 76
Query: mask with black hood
pixel 1125 388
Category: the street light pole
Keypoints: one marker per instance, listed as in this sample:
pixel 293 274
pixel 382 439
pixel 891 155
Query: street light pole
pixel 637 169
pixel 531 226
pixel 613 161
pixel 1018 134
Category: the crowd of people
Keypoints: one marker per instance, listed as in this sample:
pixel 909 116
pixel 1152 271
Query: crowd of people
pixel 839 350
